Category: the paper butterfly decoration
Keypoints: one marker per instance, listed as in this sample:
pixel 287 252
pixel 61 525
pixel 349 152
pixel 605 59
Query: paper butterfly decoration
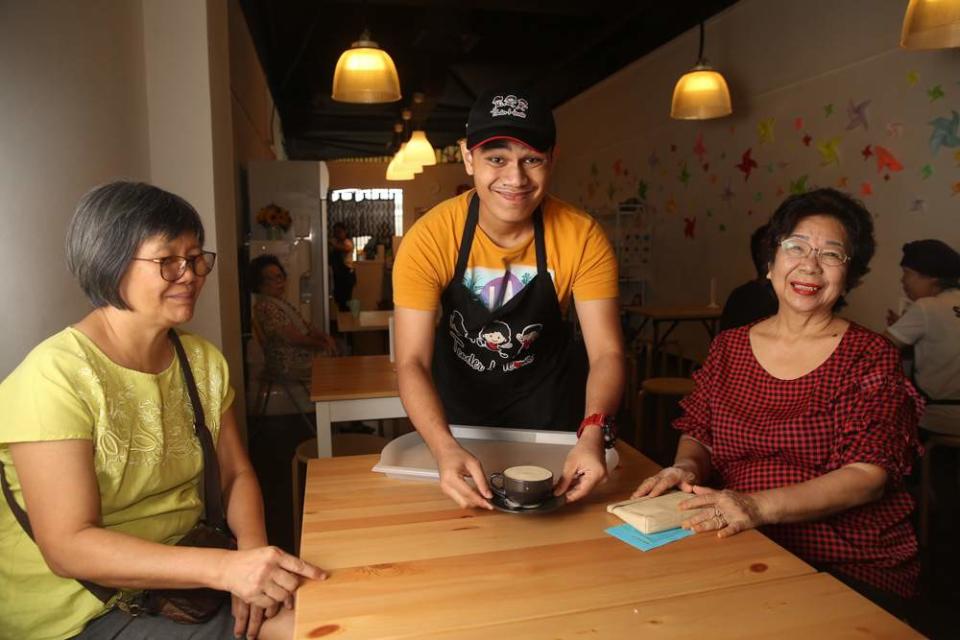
pixel 699 149
pixel 747 164
pixel 799 185
pixel 944 132
pixel 829 153
pixel 857 115
pixel 727 195
pixel 690 227
pixel 886 161
pixel 765 130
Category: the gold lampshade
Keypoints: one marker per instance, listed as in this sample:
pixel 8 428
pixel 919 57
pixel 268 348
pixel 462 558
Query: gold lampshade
pixel 365 73
pixel 931 24
pixel 419 149
pixel 396 170
pixel 701 94
pixel 403 154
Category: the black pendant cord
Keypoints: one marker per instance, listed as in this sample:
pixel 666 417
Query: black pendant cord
pixel 700 60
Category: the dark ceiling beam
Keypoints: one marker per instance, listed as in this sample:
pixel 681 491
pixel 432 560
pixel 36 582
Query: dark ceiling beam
pixel 320 11
pixel 573 8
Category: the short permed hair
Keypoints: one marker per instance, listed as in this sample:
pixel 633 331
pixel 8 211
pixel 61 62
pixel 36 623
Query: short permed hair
pixel 108 227
pixel 257 267
pixel 849 212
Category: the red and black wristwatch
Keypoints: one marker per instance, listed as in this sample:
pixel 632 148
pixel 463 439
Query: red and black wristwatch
pixel 606 423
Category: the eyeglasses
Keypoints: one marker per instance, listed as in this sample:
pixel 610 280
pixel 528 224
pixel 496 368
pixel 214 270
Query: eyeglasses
pixel 797 249
pixel 172 268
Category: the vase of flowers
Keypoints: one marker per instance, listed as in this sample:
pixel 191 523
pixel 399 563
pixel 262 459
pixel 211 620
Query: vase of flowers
pixel 275 219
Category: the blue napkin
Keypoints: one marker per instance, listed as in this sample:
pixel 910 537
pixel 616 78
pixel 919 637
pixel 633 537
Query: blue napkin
pixel 644 541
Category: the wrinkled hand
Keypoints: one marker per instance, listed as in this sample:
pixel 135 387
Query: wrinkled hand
pixel 265 577
pixel 726 512
pixel 584 468
pixel 668 478
pixel 892 317
pixel 249 618
pixel 455 463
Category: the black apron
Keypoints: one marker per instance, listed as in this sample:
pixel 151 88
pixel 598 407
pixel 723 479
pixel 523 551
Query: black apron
pixel 516 365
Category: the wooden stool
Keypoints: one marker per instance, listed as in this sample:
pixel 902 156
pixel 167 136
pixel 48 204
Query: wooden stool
pixel 926 482
pixel 661 389
pixel 344 444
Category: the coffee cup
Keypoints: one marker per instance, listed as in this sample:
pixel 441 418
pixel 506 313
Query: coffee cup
pixel 524 485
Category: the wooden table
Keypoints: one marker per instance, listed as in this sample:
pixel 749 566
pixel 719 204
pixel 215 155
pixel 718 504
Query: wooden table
pixel 352 388
pixel 365 321
pixel 367 332
pixel 673 316
pixel 405 562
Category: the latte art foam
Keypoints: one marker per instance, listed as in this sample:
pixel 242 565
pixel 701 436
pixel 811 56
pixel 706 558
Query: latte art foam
pixel 528 473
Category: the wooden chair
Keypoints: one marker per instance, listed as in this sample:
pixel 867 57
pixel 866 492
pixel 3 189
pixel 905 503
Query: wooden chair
pixel 344 444
pixel 267 380
pixel 670 386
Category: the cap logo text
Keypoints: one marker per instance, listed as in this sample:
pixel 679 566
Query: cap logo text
pixel 509 105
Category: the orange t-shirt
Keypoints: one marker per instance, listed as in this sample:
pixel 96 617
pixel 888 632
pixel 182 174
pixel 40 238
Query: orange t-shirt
pixel 579 257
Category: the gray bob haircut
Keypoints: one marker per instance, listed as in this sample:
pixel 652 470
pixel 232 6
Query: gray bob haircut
pixel 108 227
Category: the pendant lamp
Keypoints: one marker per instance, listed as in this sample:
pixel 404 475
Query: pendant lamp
pixel 701 93
pixel 931 24
pixel 403 153
pixel 366 74
pixel 396 170
pixel 419 149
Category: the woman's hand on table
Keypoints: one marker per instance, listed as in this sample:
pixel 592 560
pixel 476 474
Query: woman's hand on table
pixel 726 512
pixel 266 577
pixel 668 478
pixel 248 618
pixel 584 468
pixel 455 465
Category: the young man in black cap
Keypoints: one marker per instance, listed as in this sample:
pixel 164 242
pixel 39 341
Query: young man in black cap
pixel 931 279
pixel 501 262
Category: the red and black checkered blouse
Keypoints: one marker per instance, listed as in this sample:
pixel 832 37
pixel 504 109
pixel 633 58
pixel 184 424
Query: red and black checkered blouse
pixel 765 433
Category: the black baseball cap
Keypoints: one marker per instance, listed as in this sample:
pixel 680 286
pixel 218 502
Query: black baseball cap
pixel 511 114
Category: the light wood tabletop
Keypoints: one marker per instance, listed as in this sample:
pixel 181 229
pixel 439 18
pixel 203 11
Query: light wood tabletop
pixel 352 378
pixel 365 321
pixel 406 562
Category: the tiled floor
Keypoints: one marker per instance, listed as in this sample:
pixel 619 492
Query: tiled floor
pixel 935 611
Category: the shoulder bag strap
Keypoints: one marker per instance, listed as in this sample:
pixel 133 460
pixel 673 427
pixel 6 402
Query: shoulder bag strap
pixel 104 594
pixel 212 497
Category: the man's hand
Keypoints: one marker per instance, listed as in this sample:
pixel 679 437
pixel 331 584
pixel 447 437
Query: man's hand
pixel 455 464
pixel 585 466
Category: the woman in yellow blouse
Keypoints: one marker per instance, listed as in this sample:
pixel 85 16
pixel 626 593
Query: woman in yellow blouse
pixel 98 445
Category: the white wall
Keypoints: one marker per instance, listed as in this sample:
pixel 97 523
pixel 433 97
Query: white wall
pixel 101 90
pixel 783 60
pixel 73 114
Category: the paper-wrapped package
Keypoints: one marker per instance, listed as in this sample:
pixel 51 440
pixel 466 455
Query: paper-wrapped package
pixel 653 515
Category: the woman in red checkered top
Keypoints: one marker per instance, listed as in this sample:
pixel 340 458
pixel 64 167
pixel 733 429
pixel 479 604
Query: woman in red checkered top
pixel 804 421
